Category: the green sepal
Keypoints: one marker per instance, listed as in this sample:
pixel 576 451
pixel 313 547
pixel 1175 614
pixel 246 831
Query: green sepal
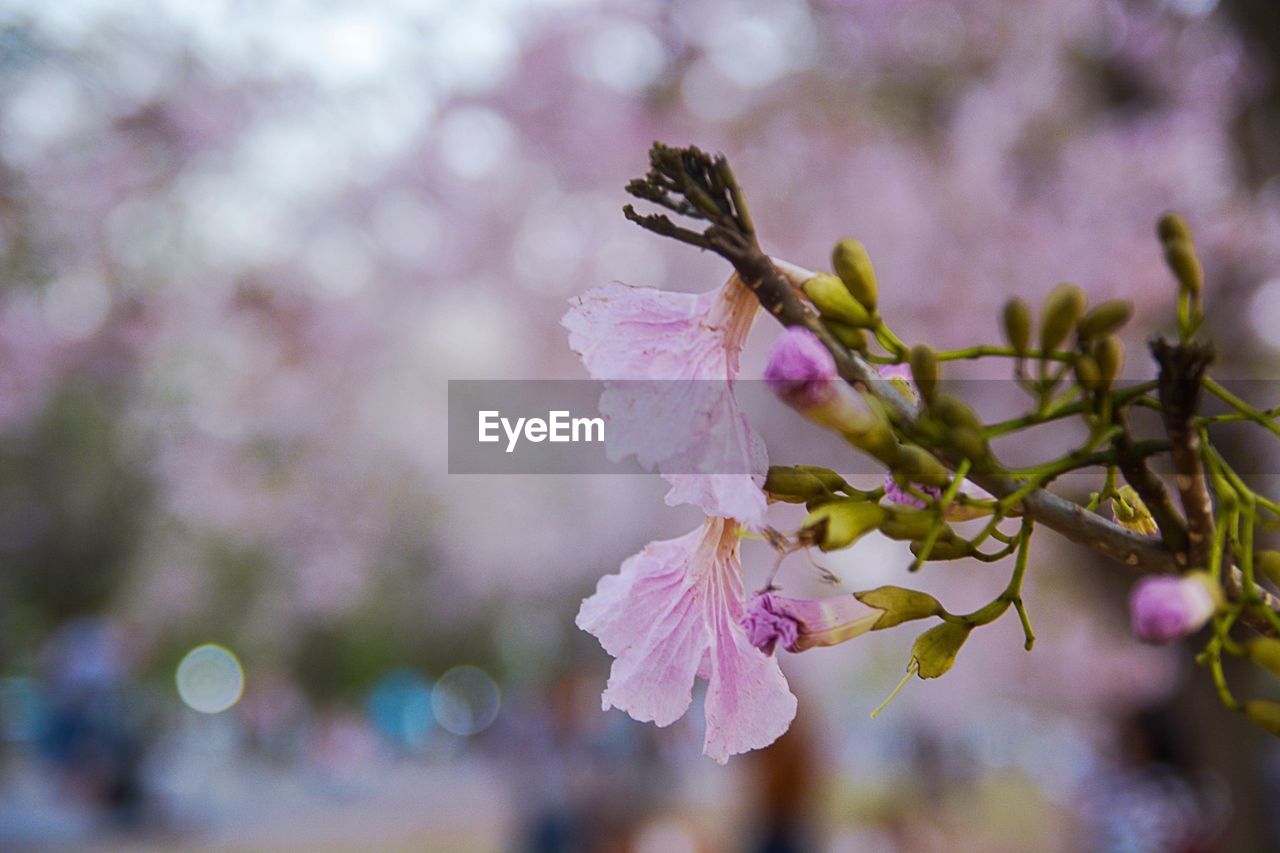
pixel 899 605
pixel 799 484
pixel 916 465
pixel 910 525
pixel 935 650
pixel 840 523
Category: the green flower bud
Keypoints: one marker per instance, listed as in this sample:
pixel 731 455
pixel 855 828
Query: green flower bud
pixel 1173 228
pixel 907 525
pixel 851 336
pixel 924 369
pixel 1180 255
pixel 1062 310
pixel 954 412
pixel 833 301
pixel 899 605
pixel 840 523
pixel 935 650
pixel 1265 652
pixel 1017 324
pixel 1108 352
pixel 799 484
pixel 1105 319
pixel 1088 374
pixel 948 546
pixel 853 265
pixel 1268 563
pixel 917 465
pixel 1265 714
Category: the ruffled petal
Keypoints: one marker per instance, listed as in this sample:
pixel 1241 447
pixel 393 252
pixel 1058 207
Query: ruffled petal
pixel 671 614
pixel 669 361
pixel 649 618
pixel 748 704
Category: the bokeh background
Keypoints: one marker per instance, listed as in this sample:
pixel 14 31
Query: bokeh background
pixel 243 246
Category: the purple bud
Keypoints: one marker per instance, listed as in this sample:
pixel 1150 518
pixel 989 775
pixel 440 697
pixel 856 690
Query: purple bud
pixel 768 624
pixel 898 495
pixel 1164 608
pixel 800 369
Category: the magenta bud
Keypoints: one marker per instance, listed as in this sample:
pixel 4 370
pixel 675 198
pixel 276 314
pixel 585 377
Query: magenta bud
pixel 1165 608
pixel 801 370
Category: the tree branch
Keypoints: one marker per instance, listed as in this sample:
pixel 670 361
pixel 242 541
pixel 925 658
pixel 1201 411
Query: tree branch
pixel 708 185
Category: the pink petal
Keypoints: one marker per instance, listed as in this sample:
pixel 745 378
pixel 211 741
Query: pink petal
pixel 672 614
pixel 748 704
pixel 649 619
pixel 678 412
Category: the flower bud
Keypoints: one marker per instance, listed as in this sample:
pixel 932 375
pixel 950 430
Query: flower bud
pixel 899 605
pixel 954 412
pixel 1088 374
pixel 935 650
pixel 1108 352
pixel 799 484
pixel 1268 563
pixel 800 370
pixel 917 465
pixel 1181 257
pixel 924 369
pixel 840 523
pixel 851 336
pixel 1172 228
pixel 1264 651
pixel 908 525
pixel 853 265
pixel 833 301
pixel 1128 510
pixel 948 546
pixel 1105 319
pixel 1164 608
pixel 799 624
pixel 1017 325
pixel 1062 310
pixel 1265 714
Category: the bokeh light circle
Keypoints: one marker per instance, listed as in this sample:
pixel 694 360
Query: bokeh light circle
pixel 210 679
pixel 465 700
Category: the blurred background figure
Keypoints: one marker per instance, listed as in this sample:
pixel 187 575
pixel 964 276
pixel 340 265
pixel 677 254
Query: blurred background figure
pixel 244 247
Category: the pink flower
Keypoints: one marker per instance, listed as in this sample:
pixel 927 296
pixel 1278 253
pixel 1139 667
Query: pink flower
pixel 1164 607
pixel 683 417
pixel 800 624
pixel 674 613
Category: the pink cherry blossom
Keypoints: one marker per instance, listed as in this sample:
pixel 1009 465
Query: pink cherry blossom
pixel 674 613
pixel 682 416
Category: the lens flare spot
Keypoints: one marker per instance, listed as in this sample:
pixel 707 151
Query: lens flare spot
pixel 465 700
pixel 210 679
